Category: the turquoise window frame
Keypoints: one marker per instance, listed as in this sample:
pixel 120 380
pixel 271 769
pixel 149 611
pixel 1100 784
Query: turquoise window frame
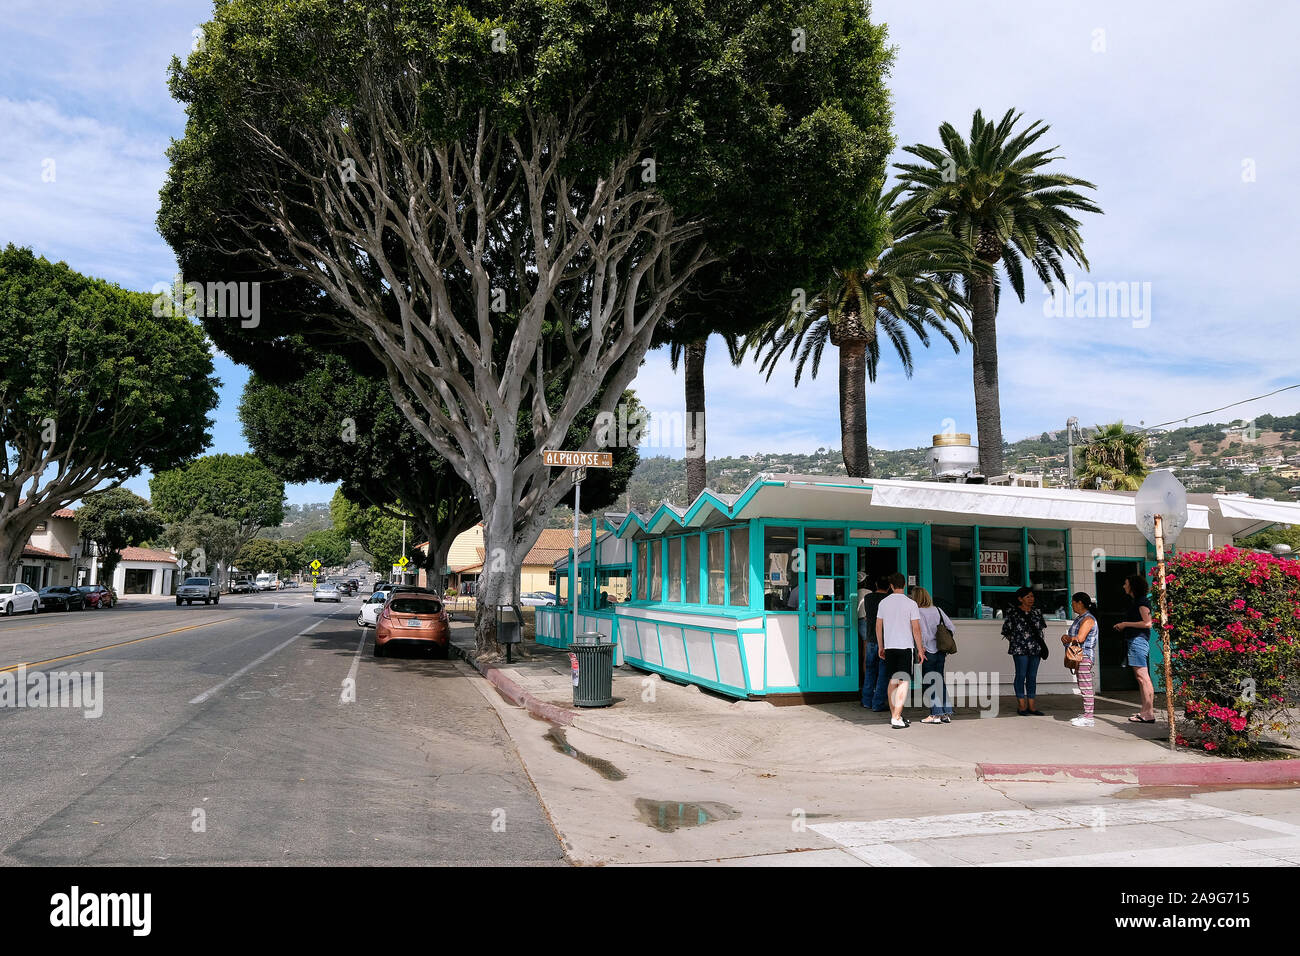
pixel 980 587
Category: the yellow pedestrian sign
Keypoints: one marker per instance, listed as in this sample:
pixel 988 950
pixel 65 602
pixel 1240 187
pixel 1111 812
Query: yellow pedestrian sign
pixel 315 565
pixel 404 562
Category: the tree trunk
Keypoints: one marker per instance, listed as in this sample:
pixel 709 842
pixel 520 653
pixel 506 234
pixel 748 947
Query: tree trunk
pixel 853 408
pixel 696 463
pixel 984 344
pixel 499 580
pixel 9 558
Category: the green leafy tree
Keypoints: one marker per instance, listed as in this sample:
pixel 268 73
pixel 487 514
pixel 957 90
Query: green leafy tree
pixel 238 487
pixel 991 193
pixel 904 285
pixel 1113 458
pixel 205 543
pixel 94 389
pixel 375 529
pixel 482 199
pixel 113 520
pixel 328 547
pixel 262 554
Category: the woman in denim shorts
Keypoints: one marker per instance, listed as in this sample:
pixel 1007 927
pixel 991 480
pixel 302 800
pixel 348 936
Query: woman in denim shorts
pixel 1136 627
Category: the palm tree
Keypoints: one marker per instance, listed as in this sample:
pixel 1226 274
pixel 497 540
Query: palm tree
pixel 907 283
pixel 989 193
pixel 1113 459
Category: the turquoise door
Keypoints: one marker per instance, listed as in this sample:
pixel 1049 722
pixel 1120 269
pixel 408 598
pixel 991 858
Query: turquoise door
pixel 829 616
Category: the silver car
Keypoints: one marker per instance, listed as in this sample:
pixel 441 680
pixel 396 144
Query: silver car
pixel 327 592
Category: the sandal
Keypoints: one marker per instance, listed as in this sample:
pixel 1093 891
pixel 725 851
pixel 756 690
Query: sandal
pixel 932 719
pixel 1136 719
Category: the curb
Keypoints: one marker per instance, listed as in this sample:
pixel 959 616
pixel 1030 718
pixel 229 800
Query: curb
pixel 512 691
pixel 1150 775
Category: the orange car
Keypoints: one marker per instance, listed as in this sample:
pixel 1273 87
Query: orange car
pixel 415 620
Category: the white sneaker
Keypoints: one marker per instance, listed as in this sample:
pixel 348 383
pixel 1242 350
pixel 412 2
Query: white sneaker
pixel 1082 721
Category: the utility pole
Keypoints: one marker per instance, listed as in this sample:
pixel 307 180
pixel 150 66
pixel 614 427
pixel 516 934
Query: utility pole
pixel 1070 424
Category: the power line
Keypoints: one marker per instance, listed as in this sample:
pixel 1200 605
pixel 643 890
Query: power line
pixel 1185 418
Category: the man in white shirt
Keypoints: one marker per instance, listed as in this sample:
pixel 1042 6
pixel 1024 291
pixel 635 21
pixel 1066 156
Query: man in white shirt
pixel 898 632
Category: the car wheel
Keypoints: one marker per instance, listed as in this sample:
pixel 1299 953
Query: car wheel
pixel 9 609
pixel 178 602
pixel 379 650
pixel 216 600
pixel 36 607
pixel 189 603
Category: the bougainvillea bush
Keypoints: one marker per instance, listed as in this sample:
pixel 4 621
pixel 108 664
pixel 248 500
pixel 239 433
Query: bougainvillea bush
pixel 1234 621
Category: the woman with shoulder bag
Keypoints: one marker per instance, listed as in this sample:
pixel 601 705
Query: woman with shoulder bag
pixel 934 690
pixel 1023 627
pixel 1080 642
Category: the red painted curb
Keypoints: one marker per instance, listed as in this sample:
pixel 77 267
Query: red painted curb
pixel 513 692
pixel 1150 775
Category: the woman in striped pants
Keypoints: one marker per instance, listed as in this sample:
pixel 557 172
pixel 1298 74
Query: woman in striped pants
pixel 1084 631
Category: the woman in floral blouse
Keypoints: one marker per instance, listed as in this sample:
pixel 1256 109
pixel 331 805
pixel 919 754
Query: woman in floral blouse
pixel 1023 628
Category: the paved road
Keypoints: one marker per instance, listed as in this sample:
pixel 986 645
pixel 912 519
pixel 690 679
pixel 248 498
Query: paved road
pixel 227 736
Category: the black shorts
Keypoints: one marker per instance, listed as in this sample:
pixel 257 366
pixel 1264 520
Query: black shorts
pixel 899 661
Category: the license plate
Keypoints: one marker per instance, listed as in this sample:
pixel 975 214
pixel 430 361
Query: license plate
pixel 414 623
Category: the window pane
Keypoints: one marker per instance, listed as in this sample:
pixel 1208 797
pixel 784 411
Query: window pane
pixel 740 567
pixel 642 571
pixel 692 569
pixel 828 536
pixel 779 545
pixel 951 549
pixel 717 557
pixel 674 592
pixel 656 571
pixel 1001 563
pixel 613 586
pixel 913 558
pixel 1047 571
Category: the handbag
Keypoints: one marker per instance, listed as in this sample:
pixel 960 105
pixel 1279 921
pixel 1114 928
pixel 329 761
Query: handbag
pixel 1073 654
pixel 1042 648
pixel 943 636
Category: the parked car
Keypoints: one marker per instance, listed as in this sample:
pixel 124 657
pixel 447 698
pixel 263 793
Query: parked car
pixel 98 596
pixel 62 598
pixel 370 609
pixel 328 591
pixel 536 598
pixel 243 586
pixel 413 619
pixel 198 589
pixel 19 597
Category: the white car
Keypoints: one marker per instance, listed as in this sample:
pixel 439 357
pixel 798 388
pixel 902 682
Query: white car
pixel 327 592
pixel 19 597
pixel 370 609
pixel 536 599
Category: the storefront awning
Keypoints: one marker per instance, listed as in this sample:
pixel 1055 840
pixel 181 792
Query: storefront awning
pixel 1256 509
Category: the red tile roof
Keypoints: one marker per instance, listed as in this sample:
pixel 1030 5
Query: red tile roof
pixel 65 513
pixel 148 555
pixel 31 551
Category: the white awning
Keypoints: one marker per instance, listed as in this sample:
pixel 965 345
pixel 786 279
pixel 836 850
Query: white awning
pixel 1058 505
pixel 1255 509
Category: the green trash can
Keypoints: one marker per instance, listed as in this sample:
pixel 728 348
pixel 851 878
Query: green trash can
pixel 593 670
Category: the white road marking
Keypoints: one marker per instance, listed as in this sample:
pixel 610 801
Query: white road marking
pixel 248 667
pixel 876 841
pixel 350 682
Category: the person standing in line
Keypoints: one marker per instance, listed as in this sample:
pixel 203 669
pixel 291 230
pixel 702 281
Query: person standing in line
pixel 1136 627
pixel 898 630
pixel 932 665
pixel 1083 631
pixel 1023 627
pixel 873 691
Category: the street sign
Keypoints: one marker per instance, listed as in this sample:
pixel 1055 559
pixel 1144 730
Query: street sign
pixel 1161 494
pixel 315 565
pixel 584 459
pixel 404 562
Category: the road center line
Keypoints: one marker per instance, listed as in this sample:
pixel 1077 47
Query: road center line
pixel 248 667
pixel 109 647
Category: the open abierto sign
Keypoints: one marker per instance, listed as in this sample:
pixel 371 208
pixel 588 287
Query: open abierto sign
pixel 583 459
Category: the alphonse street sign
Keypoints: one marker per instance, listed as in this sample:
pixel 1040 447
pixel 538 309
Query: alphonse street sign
pixel 579 459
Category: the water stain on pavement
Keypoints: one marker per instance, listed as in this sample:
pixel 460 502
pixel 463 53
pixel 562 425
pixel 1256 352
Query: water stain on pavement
pixel 603 767
pixel 1172 792
pixel 669 815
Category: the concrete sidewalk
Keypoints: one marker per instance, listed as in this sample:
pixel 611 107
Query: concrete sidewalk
pixel 686 721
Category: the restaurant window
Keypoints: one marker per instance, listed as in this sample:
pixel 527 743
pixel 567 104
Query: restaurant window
pixel 1001 563
pixel 717 566
pixel 1046 560
pixel 674 592
pixel 614 585
pixel 692 569
pixel 951 571
pixel 832 537
pixel 779 562
pixel 739 567
pixel 642 571
pixel 656 570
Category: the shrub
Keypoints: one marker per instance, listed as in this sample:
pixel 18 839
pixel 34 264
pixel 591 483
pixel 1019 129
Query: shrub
pixel 1234 621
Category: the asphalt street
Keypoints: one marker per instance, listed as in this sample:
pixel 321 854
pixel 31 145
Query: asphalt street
pixel 257 731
